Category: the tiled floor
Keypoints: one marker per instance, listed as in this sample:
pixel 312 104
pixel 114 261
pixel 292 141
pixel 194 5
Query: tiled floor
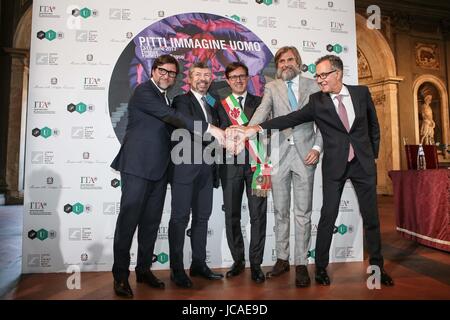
pixel 10 247
pixel 418 271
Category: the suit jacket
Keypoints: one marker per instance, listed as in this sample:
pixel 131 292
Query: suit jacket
pixel 275 103
pixel 364 134
pixel 250 106
pixel 188 105
pixel 145 151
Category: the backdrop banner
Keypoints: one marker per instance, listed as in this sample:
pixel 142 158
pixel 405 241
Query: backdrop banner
pixel 87 58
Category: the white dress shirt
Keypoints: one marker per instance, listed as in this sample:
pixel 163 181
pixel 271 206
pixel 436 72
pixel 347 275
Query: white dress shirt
pixel 198 96
pixel 347 101
pixel 295 88
pixel 244 96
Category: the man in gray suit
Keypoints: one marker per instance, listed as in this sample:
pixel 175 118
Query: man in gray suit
pixel 294 155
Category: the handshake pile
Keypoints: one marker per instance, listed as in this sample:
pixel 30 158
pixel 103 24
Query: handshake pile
pixel 234 137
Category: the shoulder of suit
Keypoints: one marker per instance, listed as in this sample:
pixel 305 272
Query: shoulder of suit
pixel 274 83
pixel 359 88
pixel 256 99
pixel 308 81
pixel 182 97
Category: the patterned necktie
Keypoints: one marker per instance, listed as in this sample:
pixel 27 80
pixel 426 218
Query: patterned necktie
pixel 291 95
pixel 207 110
pixel 240 102
pixel 342 112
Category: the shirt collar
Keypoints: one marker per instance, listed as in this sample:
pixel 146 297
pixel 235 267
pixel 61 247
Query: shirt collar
pixel 160 90
pixel 295 80
pixel 344 92
pixel 244 95
pixel 197 95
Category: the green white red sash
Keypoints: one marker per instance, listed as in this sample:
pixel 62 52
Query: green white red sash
pixel 261 166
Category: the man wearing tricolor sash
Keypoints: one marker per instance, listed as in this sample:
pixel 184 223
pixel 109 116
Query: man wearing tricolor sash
pixel 294 154
pixel 253 172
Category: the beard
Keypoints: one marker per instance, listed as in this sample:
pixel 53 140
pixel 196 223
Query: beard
pixel 163 85
pixel 289 73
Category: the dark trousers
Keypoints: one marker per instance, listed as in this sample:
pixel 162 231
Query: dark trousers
pixel 141 207
pixel 197 195
pixel 365 188
pixel 233 189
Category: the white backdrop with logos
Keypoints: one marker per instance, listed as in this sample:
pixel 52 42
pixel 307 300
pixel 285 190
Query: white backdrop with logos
pixel 71 194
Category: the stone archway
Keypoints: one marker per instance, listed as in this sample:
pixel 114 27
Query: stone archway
pixel 440 86
pixel 377 70
pixel 20 56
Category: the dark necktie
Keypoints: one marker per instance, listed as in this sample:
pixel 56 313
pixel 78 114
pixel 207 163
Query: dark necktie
pixel 240 102
pixel 342 112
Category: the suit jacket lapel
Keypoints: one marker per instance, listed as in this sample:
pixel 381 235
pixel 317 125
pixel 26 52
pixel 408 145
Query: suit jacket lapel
pixel 157 91
pixel 331 108
pixel 249 107
pixel 356 105
pixel 283 95
pixel 301 92
pixel 196 106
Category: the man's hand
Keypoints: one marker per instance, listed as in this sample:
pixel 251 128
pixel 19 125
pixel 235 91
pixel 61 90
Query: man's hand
pixel 236 136
pixel 312 157
pixel 217 133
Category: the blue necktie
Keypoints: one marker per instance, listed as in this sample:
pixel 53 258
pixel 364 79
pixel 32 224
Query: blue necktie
pixel 291 96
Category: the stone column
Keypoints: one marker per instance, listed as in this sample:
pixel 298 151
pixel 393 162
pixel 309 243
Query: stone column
pixel 17 101
pixel 384 95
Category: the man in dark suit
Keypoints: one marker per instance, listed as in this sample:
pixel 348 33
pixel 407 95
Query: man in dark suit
pixel 192 184
pixel 347 118
pixel 235 176
pixel 143 161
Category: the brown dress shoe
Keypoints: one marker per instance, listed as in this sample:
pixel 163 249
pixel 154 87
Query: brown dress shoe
pixel 302 279
pixel 280 267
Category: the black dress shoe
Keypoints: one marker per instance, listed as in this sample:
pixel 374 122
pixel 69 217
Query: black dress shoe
pixel 236 268
pixel 280 267
pixel 386 279
pixel 180 278
pixel 205 272
pixel 302 279
pixel 257 274
pixel 322 277
pixel 149 278
pixel 123 289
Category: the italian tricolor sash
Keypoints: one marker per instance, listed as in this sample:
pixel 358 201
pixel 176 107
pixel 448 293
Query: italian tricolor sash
pixel 261 166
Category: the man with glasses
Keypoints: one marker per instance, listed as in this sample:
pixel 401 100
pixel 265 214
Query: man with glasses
pixel 192 184
pixel 347 118
pixel 143 161
pixel 238 108
pixel 294 156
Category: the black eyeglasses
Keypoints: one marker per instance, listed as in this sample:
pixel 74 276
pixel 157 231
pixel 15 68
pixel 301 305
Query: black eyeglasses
pixel 163 72
pixel 323 75
pixel 241 77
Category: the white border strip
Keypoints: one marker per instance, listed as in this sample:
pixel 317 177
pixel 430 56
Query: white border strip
pixel 424 237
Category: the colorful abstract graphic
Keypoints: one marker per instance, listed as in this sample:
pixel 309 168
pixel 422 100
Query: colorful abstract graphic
pixel 189 37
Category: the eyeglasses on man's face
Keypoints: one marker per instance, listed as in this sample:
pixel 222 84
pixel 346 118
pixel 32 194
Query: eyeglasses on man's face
pixel 241 77
pixel 163 72
pixel 324 75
